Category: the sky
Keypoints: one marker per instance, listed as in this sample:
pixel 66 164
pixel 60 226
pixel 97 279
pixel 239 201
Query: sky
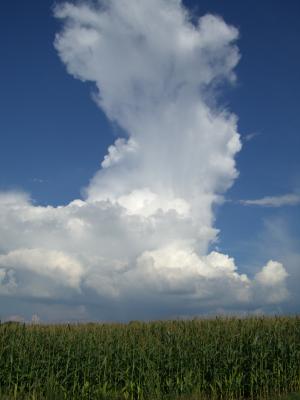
pixel 149 159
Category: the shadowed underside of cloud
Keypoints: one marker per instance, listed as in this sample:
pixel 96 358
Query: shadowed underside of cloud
pixel 142 231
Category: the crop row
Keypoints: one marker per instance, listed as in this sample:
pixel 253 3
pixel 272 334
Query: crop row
pixel 251 358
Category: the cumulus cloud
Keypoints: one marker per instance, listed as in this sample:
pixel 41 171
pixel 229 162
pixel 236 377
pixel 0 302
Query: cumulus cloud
pixel 140 237
pixel 274 201
pixel 50 264
pixel 278 240
pixel 272 274
pixel 272 279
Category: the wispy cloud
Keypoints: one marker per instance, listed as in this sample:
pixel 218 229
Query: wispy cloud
pixel 290 199
pixel 250 136
pixel 38 180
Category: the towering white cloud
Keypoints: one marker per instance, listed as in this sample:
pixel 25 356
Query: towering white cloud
pixel 142 231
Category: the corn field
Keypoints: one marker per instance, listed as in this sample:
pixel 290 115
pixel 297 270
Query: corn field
pixel 222 358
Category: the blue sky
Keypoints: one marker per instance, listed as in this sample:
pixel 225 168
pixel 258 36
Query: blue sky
pixel 54 136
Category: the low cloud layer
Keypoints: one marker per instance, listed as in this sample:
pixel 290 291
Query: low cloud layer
pixel 138 242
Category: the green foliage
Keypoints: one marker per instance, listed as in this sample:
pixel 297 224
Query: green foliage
pixel 253 358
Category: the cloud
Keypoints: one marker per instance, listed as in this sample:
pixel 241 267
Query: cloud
pixel 38 180
pixel 272 279
pixel 136 245
pixel 279 240
pixel 51 264
pixel 250 136
pixel 271 274
pixel 274 201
